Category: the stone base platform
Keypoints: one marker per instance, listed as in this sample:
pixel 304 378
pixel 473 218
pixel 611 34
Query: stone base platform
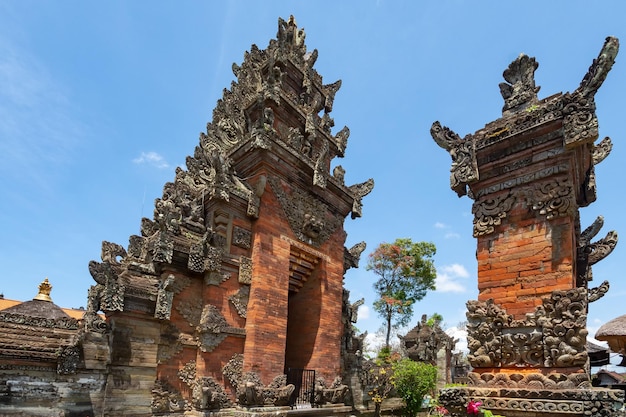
pixel 529 402
pixel 325 411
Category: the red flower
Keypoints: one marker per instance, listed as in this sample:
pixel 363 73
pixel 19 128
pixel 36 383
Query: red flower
pixel 473 407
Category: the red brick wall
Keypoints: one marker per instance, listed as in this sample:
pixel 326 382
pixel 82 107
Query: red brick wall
pixel 525 260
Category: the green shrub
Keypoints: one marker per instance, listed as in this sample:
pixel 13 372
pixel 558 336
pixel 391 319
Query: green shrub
pixel 413 380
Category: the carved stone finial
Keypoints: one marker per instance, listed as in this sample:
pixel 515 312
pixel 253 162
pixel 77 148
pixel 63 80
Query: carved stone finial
pixel 464 169
pixel 599 68
pixel 44 291
pixel 520 90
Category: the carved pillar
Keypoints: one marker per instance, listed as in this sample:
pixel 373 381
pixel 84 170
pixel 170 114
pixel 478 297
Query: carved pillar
pixel 528 173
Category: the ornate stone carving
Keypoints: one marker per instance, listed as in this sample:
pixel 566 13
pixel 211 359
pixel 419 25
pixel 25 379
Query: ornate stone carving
pixel 359 191
pixel 553 198
pixel 489 212
pixel 352 256
pixel 242 237
pixel 187 373
pixel 321 172
pixel 190 309
pixel 233 370
pixel 165 296
pixel 598 292
pixel 520 91
pixel 69 359
pixel 558 327
pixel 208 394
pixel 602 150
pixel 216 278
pixel 165 398
pixel 163 248
pixel 335 394
pixel 245 270
pixel 309 218
pixel 424 341
pixel 214 258
pixel 599 69
pixel 339 174
pixel 251 392
pixel 602 248
pixel 464 169
pixel 240 300
pixel 211 328
pixel 557 394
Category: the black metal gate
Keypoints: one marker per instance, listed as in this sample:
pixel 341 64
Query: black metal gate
pixel 304 381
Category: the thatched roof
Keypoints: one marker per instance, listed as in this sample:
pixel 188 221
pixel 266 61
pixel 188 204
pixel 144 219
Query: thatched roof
pixel 615 327
pixel 614 332
pixel 38 308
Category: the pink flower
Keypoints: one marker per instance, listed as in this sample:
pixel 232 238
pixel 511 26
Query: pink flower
pixel 473 407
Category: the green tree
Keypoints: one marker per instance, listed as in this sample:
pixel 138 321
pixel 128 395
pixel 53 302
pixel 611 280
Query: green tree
pixel 406 272
pixel 413 380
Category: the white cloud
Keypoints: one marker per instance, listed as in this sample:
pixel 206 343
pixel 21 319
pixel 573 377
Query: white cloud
pixel 364 312
pixel 461 336
pixel 449 234
pixel 151 158
pixel 448 277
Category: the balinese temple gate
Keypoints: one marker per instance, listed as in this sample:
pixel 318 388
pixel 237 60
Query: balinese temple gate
pixel 528 173
pixel 238 278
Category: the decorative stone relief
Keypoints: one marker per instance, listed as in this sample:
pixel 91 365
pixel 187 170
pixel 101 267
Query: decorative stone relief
pixel 187 373
pixel 341 139
pixel 335 394
pixel 165 296
pixel 208 394
pixel 245 270
pixel 519 91
pixel 553 198
pixel 464 169
pixel 190 309
pixel 240 300
pixel 537 394
pixel 602 150
pixel 251 392
pixel 211 328
pixel 599 69
pixel 309 218
pixel 359 191
pixel 558 327
pixel 489 212
pixel 339 173
pixel 216 278
pixel 242 237
pixel 165 398
pixel 213 258
pixel 163 248
pixel 320 173
pixel 602 248
pixel 598 292
pixel 68 359
pixel 233 370
pixel 352 256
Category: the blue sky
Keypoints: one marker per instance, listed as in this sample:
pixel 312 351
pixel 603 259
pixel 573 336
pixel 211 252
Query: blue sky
pixel 100 101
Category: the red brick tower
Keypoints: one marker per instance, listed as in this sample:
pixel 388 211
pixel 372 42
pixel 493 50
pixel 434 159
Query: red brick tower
pixel 239 276
pixel 528 173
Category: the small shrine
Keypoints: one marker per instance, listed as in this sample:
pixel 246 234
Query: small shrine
pixel 529 173
pixel 428 342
